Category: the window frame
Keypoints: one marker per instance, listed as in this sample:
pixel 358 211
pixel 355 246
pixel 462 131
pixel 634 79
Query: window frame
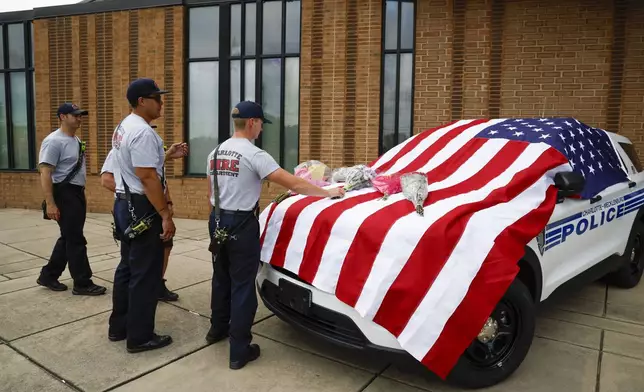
pixel 398 52
pixel 225 60
pixel 29 71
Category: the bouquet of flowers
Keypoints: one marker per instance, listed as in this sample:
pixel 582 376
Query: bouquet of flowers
pixel 387 184
pixel 315 172
pixel 358 177
pixel 414 188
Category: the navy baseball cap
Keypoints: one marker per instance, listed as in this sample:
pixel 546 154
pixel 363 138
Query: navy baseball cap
pixel 143 88
pixel 70 108
pixel 249 109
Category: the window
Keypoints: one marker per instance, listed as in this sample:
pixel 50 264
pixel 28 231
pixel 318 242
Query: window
pixel 398 73
pixel 16 97
pixel 244 51
pixel 629 149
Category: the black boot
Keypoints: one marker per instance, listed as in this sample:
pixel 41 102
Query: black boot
pixel 167 295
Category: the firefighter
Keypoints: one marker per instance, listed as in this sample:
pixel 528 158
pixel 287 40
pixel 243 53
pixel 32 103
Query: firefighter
pixel 62 175
pixel 234 229
pixel 143 220
pixel 177 150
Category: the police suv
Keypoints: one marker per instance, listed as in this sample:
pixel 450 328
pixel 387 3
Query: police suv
pixel 585 240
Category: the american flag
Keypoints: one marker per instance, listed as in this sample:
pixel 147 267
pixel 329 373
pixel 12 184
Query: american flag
pixel 589 150
pixel 433 280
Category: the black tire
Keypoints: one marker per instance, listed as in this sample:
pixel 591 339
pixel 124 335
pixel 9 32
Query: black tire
pixel 630 274
pixel 471 371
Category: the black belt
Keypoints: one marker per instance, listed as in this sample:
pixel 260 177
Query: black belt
pixel 235 212
pixel 121 196
pixel 69 185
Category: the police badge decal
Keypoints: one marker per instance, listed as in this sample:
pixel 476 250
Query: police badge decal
pixel 541 241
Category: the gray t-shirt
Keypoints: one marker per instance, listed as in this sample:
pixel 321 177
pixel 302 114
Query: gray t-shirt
pixel 241 167
pixel 61 151
pixel 135 144
pixel 108 165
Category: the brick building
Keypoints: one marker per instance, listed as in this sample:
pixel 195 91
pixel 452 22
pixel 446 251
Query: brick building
pixel 342 80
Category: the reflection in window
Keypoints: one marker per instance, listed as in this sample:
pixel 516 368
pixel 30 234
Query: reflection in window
pixel 272 32
pixel 204 32
pixel 16 34
pixel 19 120
pixel 271 84
pixel 4 133
pixel 260 63
pixel 398 66
pixel 203 116
pixel 291 113
pixel 251 29
pixel 17 131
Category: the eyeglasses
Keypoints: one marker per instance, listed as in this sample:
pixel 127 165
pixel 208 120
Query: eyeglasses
pixel 154 97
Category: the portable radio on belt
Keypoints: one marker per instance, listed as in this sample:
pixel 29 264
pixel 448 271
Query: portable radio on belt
pixel 137 226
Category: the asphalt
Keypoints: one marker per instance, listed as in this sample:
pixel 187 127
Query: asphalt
pixel 55 341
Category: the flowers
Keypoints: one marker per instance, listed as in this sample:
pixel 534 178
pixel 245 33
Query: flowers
pixel 358 177
pixel 387 184
pixel 412 185
pixel 414 188
pixel 315 172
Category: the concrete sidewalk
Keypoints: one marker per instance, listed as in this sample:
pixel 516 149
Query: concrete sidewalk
pixel 55 341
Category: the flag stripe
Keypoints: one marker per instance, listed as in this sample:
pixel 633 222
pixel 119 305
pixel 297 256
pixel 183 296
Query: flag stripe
pixel 395 152
pixel 287 227
pixel 263 222
pixel 441 137
pixel 318 236
pixel 273 226
pixel 416 146
pixel 449 289
pixel 488 287
pixel 372 232
pixel 459 135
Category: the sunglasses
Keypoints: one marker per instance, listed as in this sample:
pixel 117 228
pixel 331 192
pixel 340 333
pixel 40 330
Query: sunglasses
pixel 154 97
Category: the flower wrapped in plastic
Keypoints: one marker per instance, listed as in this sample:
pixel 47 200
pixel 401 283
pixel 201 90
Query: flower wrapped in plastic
pixel 339 174
pixel 358 177
pixel 414 188
pixel 315 172
pixel 387 184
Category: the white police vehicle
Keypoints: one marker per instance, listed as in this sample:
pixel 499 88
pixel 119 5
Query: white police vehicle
pixel 585 240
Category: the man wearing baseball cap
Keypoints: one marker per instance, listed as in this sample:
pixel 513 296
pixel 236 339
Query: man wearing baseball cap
pixel 62 175
pixel 236 169
pixel 142 218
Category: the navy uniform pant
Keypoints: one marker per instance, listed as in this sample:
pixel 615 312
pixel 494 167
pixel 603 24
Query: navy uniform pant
pixel 71 246
pixel 137 278
pixel 233 297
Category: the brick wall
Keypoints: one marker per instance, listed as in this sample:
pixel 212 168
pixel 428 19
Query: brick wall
pixel 340 81
pixel 554 64
pixel 474 58
pixel 632 99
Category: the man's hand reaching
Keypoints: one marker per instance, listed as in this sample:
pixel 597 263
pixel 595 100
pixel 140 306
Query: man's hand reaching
pixel 176 151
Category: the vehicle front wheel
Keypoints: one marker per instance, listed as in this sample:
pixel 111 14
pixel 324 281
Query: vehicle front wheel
pixel 502 344
pixel 630 274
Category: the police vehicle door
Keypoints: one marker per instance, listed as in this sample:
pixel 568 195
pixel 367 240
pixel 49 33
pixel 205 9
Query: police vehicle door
pixel 582 233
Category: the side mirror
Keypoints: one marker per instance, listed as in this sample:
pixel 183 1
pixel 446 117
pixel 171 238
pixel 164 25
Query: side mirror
pixel 569 183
